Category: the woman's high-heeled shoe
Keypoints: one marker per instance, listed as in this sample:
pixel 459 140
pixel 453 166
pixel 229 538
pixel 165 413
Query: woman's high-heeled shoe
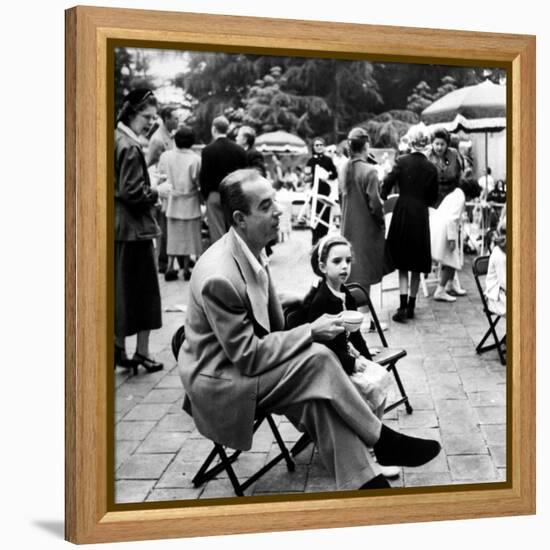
pixel 122 360
pixel 148 364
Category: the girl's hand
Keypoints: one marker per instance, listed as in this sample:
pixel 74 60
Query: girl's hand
pixel 452 245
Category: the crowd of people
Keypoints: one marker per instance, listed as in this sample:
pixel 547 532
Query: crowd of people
pixel 239 346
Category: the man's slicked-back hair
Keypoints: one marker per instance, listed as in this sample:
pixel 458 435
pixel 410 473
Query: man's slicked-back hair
pixel 232 195
pixel 221 124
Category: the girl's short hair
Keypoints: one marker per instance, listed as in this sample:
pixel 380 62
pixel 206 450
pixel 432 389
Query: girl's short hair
pixel 320 251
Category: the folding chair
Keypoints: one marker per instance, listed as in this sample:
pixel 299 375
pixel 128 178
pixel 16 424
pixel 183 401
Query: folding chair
pixel 389 356
pixel 479 268
pixel 207 471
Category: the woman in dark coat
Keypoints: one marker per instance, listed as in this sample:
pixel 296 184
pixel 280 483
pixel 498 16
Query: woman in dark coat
pixel 448 163
pixel 408 241
pixel 137 294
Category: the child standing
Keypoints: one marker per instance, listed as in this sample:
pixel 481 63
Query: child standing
pixel 331 260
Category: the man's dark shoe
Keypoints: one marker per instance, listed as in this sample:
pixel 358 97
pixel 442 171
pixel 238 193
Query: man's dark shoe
pixel 410 313
pixel 395 449
pixel 378 482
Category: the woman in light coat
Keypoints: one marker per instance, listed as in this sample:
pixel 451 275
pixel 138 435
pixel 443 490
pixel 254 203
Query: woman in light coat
pixel 446 242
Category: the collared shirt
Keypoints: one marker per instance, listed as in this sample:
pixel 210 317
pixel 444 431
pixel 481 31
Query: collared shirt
pixel 258 265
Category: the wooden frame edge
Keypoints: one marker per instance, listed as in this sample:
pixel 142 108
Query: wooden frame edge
pixel 87 518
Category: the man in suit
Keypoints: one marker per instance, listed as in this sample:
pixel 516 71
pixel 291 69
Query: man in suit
pixel 254 159
pixel 241 357
pixel 219 158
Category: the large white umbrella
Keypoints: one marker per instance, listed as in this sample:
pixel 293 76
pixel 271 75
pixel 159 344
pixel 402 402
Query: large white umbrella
pixel 478 108
pixel 281 142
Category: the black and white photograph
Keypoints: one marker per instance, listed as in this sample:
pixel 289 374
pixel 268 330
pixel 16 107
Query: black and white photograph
pixel 309 275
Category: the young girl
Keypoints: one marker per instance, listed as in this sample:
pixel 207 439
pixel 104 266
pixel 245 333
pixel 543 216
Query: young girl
pixel 331 260
pixel 495 282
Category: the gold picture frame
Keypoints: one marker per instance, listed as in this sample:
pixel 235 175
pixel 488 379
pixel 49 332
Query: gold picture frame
pixel 89 518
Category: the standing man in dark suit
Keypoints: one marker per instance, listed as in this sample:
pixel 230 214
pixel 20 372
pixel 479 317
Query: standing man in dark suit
pixel 219 158
pixel 254 159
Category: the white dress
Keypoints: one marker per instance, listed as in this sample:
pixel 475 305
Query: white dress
pixel 495 282
pixel 445 222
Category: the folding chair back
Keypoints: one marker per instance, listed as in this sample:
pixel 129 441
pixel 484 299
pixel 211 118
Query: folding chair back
pixel 479 269
pixel 207 472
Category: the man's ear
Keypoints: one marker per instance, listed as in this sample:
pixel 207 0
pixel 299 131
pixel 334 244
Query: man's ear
pixel 238 218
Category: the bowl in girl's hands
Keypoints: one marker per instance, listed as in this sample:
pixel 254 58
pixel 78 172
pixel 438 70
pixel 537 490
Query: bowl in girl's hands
pixel 352 320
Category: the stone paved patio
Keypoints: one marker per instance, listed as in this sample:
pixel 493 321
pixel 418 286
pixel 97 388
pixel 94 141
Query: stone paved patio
pixel 458 397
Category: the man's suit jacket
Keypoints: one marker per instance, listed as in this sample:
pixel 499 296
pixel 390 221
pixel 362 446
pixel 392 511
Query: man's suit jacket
pixel 219 158
pixel 234 337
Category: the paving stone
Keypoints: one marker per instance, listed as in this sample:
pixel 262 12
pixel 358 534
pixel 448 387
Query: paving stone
pixel 133 430
pixel 483 382
pixel 465 350
pixel 222 488
pixel 164 396
pixel 128 491
pixel 439 366
pixel 456 416
pixel 123 405
pixel 487 398
pixel 193 448
pixel 280 480
pixel 495 434
pixel 170 382
pixel 320 485
pixel 177 422
pixel 176 407
pixel 148 412
pixel 163 442
pixel 288 432
pixel 476 468
pixel 437 465
pixel 467 443
pixel 144 466
pixel 179 475
pixel 498 453
pixel 123 451
pixel 468 362
pixel 135 390
pixel 424 419
pixel 422 479
pixel 446 385
pixel 491 415
pixel 421 401
pixel 162 495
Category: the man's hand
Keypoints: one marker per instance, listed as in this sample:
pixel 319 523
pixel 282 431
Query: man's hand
pixel 452 245
pixel 327 327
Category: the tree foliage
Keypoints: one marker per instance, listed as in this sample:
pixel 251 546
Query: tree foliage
pixel 306 96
